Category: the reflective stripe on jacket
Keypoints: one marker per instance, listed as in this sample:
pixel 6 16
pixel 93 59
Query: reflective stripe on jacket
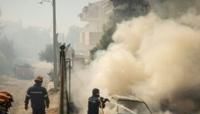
pixel 38 96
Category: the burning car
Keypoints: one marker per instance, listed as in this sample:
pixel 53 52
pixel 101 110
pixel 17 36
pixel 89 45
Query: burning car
pixel 129 105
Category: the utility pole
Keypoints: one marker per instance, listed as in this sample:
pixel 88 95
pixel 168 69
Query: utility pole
pixel 63 78
pixel 55 45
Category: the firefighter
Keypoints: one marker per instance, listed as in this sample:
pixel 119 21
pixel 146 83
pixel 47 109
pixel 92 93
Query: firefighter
pixel 95 102
pixel 6 100
pixel 38 96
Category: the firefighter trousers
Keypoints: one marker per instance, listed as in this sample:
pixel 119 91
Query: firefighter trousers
pixel 39 111
pixel 3 112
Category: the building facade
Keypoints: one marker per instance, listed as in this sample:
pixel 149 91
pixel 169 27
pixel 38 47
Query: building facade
pixel 95 15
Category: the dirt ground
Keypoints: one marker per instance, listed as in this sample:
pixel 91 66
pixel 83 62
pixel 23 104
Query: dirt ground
pixel 54 97
pixel 18 89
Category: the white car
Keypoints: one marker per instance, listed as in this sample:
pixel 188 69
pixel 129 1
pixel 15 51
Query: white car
pixel 128 105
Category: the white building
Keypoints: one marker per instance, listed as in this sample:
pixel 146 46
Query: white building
pixel 95 15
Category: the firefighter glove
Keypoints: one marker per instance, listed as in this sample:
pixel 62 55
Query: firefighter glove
pixel 47 106
pixel 26 107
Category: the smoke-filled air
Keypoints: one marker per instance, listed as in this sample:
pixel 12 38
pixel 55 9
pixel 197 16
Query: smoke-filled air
pixel 155 57
pixel 142 51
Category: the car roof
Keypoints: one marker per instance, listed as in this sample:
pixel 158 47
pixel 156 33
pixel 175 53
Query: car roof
pixel 130 98
pixel 127 98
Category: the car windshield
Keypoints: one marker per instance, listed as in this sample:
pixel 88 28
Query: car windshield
pixel 135 106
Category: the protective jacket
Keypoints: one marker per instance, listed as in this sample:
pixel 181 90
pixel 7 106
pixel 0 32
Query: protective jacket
pixel 6 100
pixel 38 96
pixel 94 103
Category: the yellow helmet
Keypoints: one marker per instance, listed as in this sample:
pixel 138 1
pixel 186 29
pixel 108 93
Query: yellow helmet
pixel 39 79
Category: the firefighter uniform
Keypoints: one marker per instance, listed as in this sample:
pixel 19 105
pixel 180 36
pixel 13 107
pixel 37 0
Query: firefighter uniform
pixel 95 102
pixel 93 105
pixel 6 100
pixel 39 99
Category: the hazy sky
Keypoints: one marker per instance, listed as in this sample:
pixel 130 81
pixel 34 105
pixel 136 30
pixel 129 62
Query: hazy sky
pixel 31 13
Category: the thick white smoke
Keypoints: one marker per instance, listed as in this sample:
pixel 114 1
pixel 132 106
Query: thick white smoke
pixel 154 58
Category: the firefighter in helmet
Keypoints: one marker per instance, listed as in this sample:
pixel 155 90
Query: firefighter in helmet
pixel 6 100
pixel 38 96
pixel 95 102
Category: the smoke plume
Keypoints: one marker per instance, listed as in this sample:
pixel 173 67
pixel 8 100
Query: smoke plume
pixel 154 58
pixel 174 8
